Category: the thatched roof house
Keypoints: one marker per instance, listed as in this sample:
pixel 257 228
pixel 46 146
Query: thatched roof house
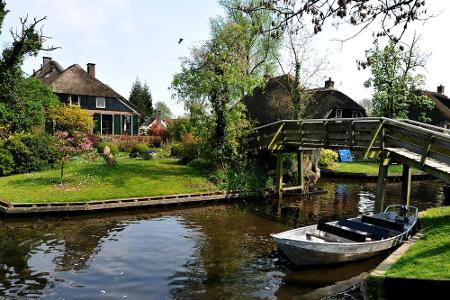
pixel 113 114
pixel 440 114
pixel 274 102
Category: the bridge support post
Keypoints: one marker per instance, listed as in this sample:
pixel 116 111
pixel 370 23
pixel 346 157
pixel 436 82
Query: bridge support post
pixel 381 183
pixel 300 167
pixel 279 183
pixel 406 184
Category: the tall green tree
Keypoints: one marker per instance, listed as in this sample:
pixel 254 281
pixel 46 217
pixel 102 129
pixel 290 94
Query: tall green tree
pixel 141 97
pixel 165 111
pixel 226 67
pixel 23 101
pixel 394 80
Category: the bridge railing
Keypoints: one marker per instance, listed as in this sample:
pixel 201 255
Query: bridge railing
pixel 424 144
pixel 316 133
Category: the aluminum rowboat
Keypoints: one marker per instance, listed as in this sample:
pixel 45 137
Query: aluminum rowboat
pixel 348 240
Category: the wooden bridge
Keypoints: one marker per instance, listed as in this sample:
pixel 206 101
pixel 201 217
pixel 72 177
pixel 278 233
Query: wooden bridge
pixel 413 144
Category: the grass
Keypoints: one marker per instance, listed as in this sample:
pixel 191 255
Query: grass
pixel 369 167
pixel 87 180
pixel 428 258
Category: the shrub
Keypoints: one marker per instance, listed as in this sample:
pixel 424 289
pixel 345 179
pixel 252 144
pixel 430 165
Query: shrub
pixel 6 162
pixel 31 152
pixel 327 158
pixel 148 154
pixel 43 154
pixel 138 150
pixel 188 149
pixel 70 118
pixel 19 152
pixel 112 147
pixel 175 150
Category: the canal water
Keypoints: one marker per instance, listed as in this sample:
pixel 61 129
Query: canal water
pixel 220 251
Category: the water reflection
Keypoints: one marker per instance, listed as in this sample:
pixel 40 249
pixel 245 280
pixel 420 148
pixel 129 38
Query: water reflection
pixel 220 251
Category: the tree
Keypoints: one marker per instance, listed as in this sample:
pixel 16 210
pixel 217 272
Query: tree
pixel 303 67
pixel 396 88
pixel 141 97
pixel 163 109
pixel 25 105
pixel 394 16
pixel 22 100
pixel 222 70
pixel 70 145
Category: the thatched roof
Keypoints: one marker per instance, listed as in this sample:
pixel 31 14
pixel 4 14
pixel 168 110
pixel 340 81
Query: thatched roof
pixel 76 81
pixel 441 101
pixel 274 102
pixel 440 113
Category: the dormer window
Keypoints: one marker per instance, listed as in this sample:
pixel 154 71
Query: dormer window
pixel 354 114
pixel 338 113
pixel 100 102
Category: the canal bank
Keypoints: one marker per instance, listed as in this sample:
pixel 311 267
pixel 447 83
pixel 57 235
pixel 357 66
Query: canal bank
pixel 421 266
pixel 222 250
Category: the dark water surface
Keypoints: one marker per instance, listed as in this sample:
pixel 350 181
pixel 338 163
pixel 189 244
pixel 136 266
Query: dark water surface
pixel 220 251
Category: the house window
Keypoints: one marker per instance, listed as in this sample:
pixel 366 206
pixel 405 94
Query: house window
pixel 100 102
pixel 354 114
pixel 338 113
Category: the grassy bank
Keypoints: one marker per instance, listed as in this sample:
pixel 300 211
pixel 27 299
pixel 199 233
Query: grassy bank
pixel 86 180
pixel 428 258
pixel 369 167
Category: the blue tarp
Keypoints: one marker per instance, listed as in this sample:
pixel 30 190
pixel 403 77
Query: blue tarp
pixel 345 155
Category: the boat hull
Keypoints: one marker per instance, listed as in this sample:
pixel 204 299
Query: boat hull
pixel 312 254
pixel 316 245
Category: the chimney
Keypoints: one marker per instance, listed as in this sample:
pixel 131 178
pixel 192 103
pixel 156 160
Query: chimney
pixel 329 84
pixel 91 69
pixel 440 89
pixel 46 60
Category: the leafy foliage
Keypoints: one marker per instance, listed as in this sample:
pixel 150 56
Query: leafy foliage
pixel 112 147
pixel 28 152
pixel 70 118
pixel 327 158
pixel 393 16
pixel 24 106
pixel 141 97
pixel 22 100
pixel 139 150
pixel 6 162
pixel 70 145
pixel 163 109
pixel 396 88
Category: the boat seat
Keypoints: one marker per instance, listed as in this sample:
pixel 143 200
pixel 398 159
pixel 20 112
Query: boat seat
pixel 382 223
pixel 374 232
pixel 342 232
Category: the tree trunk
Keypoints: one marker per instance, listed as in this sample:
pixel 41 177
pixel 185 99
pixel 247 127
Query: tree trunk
pixel 62 171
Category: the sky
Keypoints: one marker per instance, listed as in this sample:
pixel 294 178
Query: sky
pixel 129 39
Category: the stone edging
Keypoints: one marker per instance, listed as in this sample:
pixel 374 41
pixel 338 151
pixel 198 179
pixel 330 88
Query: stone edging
pixel 385 265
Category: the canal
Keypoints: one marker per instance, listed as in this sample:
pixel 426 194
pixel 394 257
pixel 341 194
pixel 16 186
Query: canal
pixel 220 251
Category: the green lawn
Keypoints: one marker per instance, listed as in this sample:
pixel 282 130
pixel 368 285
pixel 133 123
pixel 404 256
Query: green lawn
pixel 369 167
pixel 430 256
pixel 86 180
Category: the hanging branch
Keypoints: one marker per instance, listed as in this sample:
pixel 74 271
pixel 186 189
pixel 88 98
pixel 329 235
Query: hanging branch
pixel 392 14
